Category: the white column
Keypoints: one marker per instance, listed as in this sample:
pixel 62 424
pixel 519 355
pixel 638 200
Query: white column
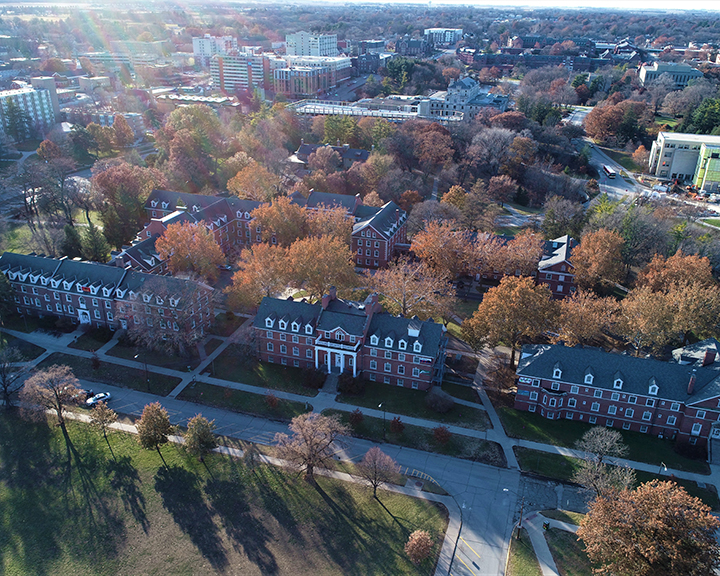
pixel 342 362
pixel 354 365
pixel 329 361
pixel 317 366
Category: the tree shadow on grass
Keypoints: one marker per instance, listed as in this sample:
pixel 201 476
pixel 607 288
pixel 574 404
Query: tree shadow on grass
pixel 183 498
pixel 125 480
pixel 275 490
pixel 247 534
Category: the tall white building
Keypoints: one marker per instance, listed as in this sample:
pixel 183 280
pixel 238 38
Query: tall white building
pixel 306 44
pixel 206 47
pixel 674 155
pixel 442 36
pixel 681 73
pixel 36 103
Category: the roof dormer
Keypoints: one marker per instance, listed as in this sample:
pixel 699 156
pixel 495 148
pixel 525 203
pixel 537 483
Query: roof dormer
pixel 374 340
pixel 308 329
pixel 295 326
pixel 282 324
pixel 589 375
pixel 153 203
pixel 557 370
pixel 417 347
pixel 402 344
pixel 269 322
pixel 388 342
pixel 653 388
pixel 146 298
pixel 618 381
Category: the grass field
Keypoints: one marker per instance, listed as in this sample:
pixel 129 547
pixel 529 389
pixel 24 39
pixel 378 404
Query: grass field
pixel 225 325
pixel 70 506
pixel 232 365
pixel 460 391
pixel 568 553
pixel 643 447
pixel 713 221
pixel 423 439
pixel 92 340
pixel 128 351
pixel 564 516
pixel 623 158
pixel 412 403
pixel 521 559
pixel 212 345
pixel 239 401
pixel 114 374
pixel 28 350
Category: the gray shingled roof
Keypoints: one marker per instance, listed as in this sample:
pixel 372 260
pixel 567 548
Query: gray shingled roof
pixel 383 325
pixel 344 314
pixel 556 251
pixel 14 261
pixel 672 379
pixel 172 198
pixel 316 198
pixel 275 308
pixel 383 220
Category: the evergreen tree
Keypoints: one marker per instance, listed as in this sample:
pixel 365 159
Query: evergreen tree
pixel 17 122
pixel 94 245
pixel 72 244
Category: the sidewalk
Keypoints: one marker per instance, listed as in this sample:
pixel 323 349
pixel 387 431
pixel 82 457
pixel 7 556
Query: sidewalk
pixel 533 525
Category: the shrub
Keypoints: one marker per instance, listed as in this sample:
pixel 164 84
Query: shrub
pixel 313 379
pixel 356 418
pixel 271 400
pixel 439 401
pixel 419 546
pixel 396 425
pixel 442 435
pixel 349 385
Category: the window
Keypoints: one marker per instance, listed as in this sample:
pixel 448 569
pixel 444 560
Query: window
pixel 650 402
pixel 269 322
pixel 352 339
pixel 612 409
pixel 388 342
pixel 629 412
pixel 671 420
pixel 533 395
pixel 536 383
pixel 588 378
pixel 269 334
pixel 597 394
pixel 574 389
pixel 340 337
pixel 282 325
pixel 270 346
pixel 373 364
pixel 283 337
pixel 617 383
pixel 553 402
pixel 609 422
pixel 387 367
pixel 696 429
pixel 295 326
pixel 283 349
pixel 572 403
pixel 388 354
pixel 555 385
pixel 569 415
pixel 675 406
pixel 308 341
pixel 374 340
pixel 416 372
pixel 700 414
pixel 647 415
pixel 296 351
pixel 96 313
pixel 531 408
pixel 632 400
pixel 401 369
pixel 417 347
pixel 295 339
pixel 373 351
pixel 402 344
pixel 308 329
pixel 401 357
pixel 308 353
pixel 592 419
pixel 557 373
pixel 595 407
pixel 615 396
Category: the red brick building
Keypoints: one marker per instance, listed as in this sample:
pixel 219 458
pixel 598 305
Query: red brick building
pixel 105 296
pixel 555 268
pixel 356 337
pixel 676 399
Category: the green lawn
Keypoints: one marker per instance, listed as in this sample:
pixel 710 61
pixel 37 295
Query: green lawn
pixel 564 516
pixel 410 402
pixel 423 439
pixel 713 221
pixel 555 466
pixel 623 158
pixel 28 145
pixel 114 374
pixel 232 365
pixel 16 322
pixel 28 350
pixel 507 231
pixel 239 401
pixel 708 494
pixel 521 558
pixel 128 351
pixel 465 308
pixel 92 340
pixel 643 447
pixel 460 391
pixel 568 553
pixel 671 121
pixel 226 324
pixel 70 506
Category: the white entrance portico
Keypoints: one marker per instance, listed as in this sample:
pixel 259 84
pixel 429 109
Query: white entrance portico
pixel 338 355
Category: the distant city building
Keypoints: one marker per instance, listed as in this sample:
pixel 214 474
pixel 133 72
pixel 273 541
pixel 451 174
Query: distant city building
pixel 338 67
pixel 240 70
pixel 90 85
pixel 680 73
pixel 707 171
pixel 168 102
pixel 106 118
pixel 443 36
pixel 36 103
pixel 464 96
pixel 206 47
pixel 407 46
pixel 49 84
pixel 306 44
pixel 370 47
pixel 302 80
pixel 675 155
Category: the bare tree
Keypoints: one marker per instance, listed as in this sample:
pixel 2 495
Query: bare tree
pixel 53 389
pixel 311 442
pixel 594 473
pixel 377 468
pixel 11 375
pixel 102 418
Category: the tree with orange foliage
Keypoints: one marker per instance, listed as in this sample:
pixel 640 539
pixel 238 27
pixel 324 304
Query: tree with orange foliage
pixel 408 199
pixel 656 529
pixel 521 255
pixel 282 219
pixel 317 263
pixel 661 273
pixel 48 150
pixel 602 122
pixel 189 247
pixel 124 136
pixel 262 272
pixel 598 258
pixel 330 221
pixel 583 318
pixel 254 182
pixel 446 250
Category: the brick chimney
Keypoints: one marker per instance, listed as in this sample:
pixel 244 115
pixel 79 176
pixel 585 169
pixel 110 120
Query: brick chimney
pixel 691 384
pixel 329 297
pixel 709 357
pixel 397 216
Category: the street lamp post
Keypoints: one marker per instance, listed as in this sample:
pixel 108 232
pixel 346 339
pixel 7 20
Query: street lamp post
pixel 383 409
pixel 147 380
pixel 522 511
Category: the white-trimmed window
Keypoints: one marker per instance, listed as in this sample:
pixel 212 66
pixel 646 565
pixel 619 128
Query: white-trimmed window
pixel 595 407
pixel 373 351
pixel 282 325
pixel 269 322
pixel 270 347
pixel 555 385
pixel 696 429
pixel 618 383
pixel 308 353
pixel 402 344
pixel 374 340
pixel 609 423
pixel 531 408
pixel 629 412
pixel 574 389
pixel 671 420
pixel 643 429
pixel 588 378
pixel 614 396
pixel 388 354
pixel 283 349
pixel 533 395
pixel 592 419
pixel 675 406
pixel 308 329
pixel 388 367
pixel 417 347
pixel 632 400
pixel 388 342
pixel 647 415
pixel 401 369
pixel 416 372
pixel 653 390
pixel 612 409
pixel 557 373
pixel 597 394
pixel 572 403
pixel 373 365
pixel 295 326
pixel 296 351
pixel 650 402
pixel 700 414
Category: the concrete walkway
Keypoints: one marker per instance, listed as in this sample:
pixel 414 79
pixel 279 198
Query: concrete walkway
pixel 533 524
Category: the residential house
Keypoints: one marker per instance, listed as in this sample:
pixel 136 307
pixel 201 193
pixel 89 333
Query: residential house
pixel 555 268
pixel 355 337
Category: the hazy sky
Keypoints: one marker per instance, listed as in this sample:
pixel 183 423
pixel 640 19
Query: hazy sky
pixel 626 4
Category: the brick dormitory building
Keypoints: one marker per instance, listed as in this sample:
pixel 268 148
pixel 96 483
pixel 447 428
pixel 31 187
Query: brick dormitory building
pixel 672 399
pixel 377 231
pixel 102 295
pixel 355 337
